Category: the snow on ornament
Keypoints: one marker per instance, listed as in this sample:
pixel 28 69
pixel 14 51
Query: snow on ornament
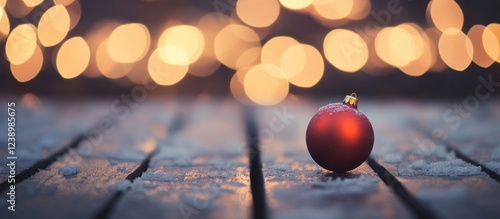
pixel 339 137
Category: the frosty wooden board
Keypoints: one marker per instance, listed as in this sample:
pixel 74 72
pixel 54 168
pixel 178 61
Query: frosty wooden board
pixel 449 186
pixel 200 173
pixel 80 190
pixel 298 188
pixel 46 126
pixel 201 168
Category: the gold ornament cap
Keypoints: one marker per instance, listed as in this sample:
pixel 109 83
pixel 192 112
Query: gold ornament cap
pixel 351 100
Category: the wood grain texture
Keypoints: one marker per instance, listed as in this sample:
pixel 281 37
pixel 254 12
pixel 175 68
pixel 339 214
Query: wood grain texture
pixel 446 184
pixel 46 127
pixel 102 166
pixel 200 173
pixel 202 170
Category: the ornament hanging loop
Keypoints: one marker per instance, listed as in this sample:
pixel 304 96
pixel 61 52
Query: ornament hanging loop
pixel 351 100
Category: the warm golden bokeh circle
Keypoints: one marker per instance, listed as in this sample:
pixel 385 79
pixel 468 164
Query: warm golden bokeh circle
pixel 186 40
pixel 263 88
pixel 32 3
pixel 165 73
pixel 128 43
pixel 445 14
pixel 333 9
pixel 233 41
pixel 29 69
pixel 107 66
pixel 305 63
pixel 455 48
pixel 345 50
pixel 295 5
pixel 73 57
pixel 258 13
pixel 398 46
pixel 64 2
pixel 480 57
pixel 273 50
pixel 53 26
pixel 21 44
pixel 491 41
pixel 4 24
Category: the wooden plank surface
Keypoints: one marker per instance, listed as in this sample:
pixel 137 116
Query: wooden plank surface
pixel 298 188
pixel 98 170
pixel 45 126
pixel 449 186
pixel 478 135
pixel 200 173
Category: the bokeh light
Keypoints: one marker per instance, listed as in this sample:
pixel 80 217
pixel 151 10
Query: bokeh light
pixel 236 86
pixel 29 69
pixel 263 88
pixel 17 8
pixel 258 13
pixel 333 9
pixel 398 46
pixel 129 43
pixel 94 37
pixel 345 50
pixel 455 48
pixel 4 24
pixel 426 59
pixel 165 73
pixel 491 40
pixel 53 26
pixel 445 14
pixel 375 65
pixel 32 3
pixel 433 34
pixel 21 44
pixel 64 2
pixel 249 58
pixel 273 50
pixel 191 40
pixel 232 41
pixel 107 66
pixel 480 57
pixel 181 45
pixel 30 101
pixel 295 5
pixel 73 57
pixel 360 9
pixel 207 64
pixel 304 62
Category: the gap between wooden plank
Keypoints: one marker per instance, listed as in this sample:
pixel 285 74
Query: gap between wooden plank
pixel 495 176
pixel 450 148
pixel 256 175
pixel 44 163
pixel 411 202
pixel 107 209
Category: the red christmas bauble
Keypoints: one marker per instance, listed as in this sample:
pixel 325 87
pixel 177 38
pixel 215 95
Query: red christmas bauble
pixel 339 137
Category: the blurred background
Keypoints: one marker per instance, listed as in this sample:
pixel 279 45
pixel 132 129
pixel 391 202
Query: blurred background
pixel 258 51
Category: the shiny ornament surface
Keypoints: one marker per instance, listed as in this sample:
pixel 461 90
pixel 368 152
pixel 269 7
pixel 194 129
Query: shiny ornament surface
pixel 339 137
